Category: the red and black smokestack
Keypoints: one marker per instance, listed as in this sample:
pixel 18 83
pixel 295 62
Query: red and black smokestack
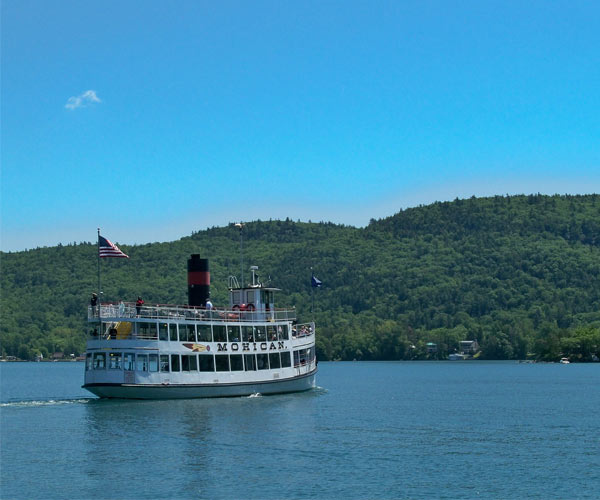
pixel 198 280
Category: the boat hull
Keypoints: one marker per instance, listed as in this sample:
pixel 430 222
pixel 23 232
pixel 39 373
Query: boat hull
pixel 190 391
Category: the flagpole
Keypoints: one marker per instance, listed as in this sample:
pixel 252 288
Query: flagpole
pixel 98 252
pixel 312 294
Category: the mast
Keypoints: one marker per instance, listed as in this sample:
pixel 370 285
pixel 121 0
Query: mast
pixel 241 226
pixel 98 256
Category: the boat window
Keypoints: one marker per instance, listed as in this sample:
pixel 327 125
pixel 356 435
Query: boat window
pixel 142 362
pixel 115 360
pixel 250 297
pixel 153 362
pixel 163 331
pixel 204 333
pixel 147 330
pixel 260 333
pixel 296 359
pixel 222 362
pixel 99 361
pixel 282 331
pixel 219 333
pixel 128 361
pixel 250 362
pixel 193 363
pixel 274 360
pixel 175 362
pixel 285 359
pixel 237 363
pixel 262 361
pixel 88 361
pixel 233 333
pixel 173 333
pixel 187 333
pixel 247 334
pixel 185 363
pixel 271 333
pixel 207 363
pixel 164 362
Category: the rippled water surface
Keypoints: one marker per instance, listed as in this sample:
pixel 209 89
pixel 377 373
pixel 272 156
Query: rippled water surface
pixel 371 430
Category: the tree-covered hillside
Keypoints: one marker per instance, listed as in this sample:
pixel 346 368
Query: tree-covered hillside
pixel 520 274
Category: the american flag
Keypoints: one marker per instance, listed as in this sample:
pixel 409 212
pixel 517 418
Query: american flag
pixel 108 249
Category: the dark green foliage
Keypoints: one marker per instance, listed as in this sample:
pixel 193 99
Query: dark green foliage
pixel 520 274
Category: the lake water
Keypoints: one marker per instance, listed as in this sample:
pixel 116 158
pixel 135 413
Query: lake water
pixel 371 430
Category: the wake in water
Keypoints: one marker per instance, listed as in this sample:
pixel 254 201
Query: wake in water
pixel 49 402
pixel 255 395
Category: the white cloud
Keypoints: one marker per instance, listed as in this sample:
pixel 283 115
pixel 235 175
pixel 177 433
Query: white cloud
pixel 82 100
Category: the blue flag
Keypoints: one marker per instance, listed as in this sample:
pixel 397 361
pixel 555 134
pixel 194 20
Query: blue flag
pixel 315 282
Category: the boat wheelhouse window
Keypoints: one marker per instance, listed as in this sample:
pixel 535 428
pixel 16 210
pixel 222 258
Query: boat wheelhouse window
pixel 99 361
pixel 207 363
pixel 262 361
pixel 222 362
pixel 142 362
pixel 115 360
pixel 236 362
pixel 88 361
pixel 274 360
pixel 233 333
pixel 219 333
pixel 296 359
pixel 164 362
pixel 173 333
pixel 187 333
pixel 249 362
pixel 153 362
pixel 250 297
pixel 204 333
pixel 128 363
pixel 267 298
pixel 282 331
pixel 163 331
pixel 285 359
pixel 236 297
pixel 247 334
pixel 175 362
pixel 260 333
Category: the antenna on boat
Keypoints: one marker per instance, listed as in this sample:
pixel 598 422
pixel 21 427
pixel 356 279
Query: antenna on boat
pixel 241 226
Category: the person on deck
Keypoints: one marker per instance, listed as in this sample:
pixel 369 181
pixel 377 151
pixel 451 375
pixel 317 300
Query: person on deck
pixel 94 303
pixel 138 305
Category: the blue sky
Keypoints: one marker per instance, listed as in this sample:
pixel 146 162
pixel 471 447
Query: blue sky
pixel 153 119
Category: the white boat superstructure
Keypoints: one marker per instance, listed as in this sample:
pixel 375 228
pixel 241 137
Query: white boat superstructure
pixel 169 351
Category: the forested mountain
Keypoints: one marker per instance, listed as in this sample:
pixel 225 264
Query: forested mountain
pixel 521 274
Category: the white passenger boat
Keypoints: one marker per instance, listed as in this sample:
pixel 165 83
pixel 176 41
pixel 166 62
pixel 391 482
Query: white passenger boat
pixel 195 351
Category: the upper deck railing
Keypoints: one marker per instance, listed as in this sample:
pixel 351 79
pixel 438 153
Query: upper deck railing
pixel 129 310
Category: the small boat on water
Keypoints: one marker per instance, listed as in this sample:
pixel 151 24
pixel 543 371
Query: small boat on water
pixel 564 361
pixel 140 351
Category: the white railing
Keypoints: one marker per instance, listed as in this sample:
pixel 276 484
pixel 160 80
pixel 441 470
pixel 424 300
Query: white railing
pixel 129 310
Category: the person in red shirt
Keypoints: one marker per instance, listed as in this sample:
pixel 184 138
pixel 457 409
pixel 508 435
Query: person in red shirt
pixel 138 305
